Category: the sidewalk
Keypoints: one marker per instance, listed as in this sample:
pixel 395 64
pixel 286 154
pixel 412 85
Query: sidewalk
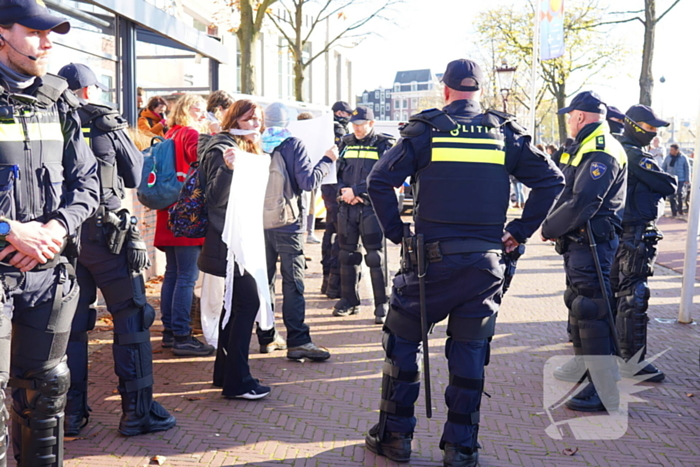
pixel 317 413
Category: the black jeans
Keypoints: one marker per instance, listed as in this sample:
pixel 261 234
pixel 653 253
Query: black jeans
pixel 677 200
pixel 288 247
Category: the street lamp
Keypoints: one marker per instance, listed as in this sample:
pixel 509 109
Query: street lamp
pixel 505 75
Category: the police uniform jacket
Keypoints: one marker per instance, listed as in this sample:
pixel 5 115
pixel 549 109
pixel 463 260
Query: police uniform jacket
pixel 119 160
pixel 461 174
pixel 47 171
pixel 357 159
pixel 596 183
pixel 647 185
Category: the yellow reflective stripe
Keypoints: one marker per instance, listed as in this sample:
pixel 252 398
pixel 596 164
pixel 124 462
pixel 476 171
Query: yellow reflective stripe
pixel 495 142
pixel 362 155
pixel 37 132
pixel 482 156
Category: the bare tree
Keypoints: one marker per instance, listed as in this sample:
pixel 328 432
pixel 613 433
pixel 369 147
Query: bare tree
pixel 252 14
pixel 646 78
pixel 297 20
pixel 589 51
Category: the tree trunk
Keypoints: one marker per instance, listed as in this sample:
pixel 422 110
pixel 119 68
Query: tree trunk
pixel 560 95
pixel 298 52
pixel 646 79
pixel 299 80
pixel 248 42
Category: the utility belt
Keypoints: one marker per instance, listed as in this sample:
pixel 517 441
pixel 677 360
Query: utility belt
pixel 603 231
pixel 435 251
pixel 648 233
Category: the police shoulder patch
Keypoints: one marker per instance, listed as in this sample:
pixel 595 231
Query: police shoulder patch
pixel 648 164
pixel 597 170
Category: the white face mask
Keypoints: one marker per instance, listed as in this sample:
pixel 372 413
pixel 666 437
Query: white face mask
pixel 239 132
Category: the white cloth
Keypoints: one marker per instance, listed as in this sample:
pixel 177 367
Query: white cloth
pixel 211 304
pixel 243 231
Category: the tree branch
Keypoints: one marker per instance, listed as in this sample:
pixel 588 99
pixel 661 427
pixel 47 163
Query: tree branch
pixel 667 10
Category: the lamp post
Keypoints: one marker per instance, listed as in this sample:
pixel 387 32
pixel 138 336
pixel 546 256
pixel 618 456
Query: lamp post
pixel 505 75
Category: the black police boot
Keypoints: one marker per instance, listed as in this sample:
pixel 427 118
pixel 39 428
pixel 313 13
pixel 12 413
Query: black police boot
pixel 77 413
pixel 136 421
pixel 324 284
pixel 380 313
pixel 572 371
pixel 588 400
pixel 333 289
pixel 344 308
pixel 460 456
pixel 393 445
pixel 649 369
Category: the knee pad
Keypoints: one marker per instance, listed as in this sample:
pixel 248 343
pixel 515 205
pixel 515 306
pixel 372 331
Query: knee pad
pixel 641 297
pixel 569 297
pixel 596 338
pixel 373 259
pixel 388 342
pixel 350 258
pixel 149 316
pixel 129 287
pixel 584 308
pixel 45 392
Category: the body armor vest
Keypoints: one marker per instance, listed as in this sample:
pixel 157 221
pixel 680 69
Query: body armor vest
pixel 96 132
pixel 359 159
pixel 466 181
pixel 31 154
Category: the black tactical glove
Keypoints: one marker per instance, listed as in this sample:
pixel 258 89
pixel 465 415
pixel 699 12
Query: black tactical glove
pixel 136 253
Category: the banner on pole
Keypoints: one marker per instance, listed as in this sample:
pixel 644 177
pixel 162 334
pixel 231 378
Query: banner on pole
pixel 551 17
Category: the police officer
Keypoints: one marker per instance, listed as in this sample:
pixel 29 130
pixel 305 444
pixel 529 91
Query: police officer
pixel 111 258
pixel 647 185
pixel 455 154
pixel 329 245
pixel 356 219
pixel 50 188
pixel 616 121
pixel 596 179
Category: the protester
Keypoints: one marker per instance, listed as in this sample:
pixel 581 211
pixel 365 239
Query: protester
pixel 657 150
pixel 309 215
pixel 152 119
pixel 231 370
pixel 181 253
pixel 217 104
pixel 286 243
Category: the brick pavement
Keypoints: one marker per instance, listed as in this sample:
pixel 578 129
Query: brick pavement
pixel 317 413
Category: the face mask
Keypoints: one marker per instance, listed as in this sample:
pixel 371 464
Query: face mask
pixel 273 137
pixel 342 120
pixel 616 127
pixel 239 132
pixel 638 133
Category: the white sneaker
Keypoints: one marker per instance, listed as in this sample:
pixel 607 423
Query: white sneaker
pixel 311 238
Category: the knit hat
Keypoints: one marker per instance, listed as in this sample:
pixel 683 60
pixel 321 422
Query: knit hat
pixel 277 115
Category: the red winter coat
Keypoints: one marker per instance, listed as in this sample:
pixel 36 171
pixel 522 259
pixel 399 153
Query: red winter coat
pixel 186 139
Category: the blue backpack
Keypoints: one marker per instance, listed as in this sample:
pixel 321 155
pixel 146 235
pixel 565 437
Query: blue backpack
pixel 159 187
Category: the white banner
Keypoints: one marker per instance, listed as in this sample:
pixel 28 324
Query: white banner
pixel 317 135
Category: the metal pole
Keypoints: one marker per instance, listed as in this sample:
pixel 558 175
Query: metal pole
pixel 533 77
pixel 691 238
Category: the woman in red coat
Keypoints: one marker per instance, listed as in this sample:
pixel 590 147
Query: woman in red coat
pixel 181 253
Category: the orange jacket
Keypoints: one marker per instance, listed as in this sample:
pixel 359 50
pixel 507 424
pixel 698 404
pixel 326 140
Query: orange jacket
pixel 149 123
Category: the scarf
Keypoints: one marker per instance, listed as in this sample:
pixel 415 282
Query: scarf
pixel 273 137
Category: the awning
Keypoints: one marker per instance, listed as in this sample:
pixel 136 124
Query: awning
pixel 157 26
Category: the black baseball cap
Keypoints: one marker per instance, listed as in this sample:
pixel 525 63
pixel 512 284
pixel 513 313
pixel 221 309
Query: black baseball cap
pixel 614 112
pixel 361 114
pixel 459 70
pixel 641 113
pixel 342 106
pixel 586 101
pixel 32 14
pixel 80 76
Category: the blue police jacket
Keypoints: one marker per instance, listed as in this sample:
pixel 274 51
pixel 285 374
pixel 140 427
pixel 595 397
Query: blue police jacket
pixel 357 159
pixel 596 182
pixel 509 152
pixel 647 185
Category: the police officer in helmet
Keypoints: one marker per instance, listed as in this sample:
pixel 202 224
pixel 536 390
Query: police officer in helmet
pixel 647 185
pixel 360 151
pixel 594 166
pixel 455 154
pixel 112 258
pixel 51 188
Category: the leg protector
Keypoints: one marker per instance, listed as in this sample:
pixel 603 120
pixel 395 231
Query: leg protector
pixel 466 359
pixel 373 259
pixel 77 409
pixel 4 419
pixel 350 276
pixel 37 410
pixel 632 319
pixel 133 364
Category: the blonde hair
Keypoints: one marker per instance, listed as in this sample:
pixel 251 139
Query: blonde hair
pixel 180 115
pixel 141 140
